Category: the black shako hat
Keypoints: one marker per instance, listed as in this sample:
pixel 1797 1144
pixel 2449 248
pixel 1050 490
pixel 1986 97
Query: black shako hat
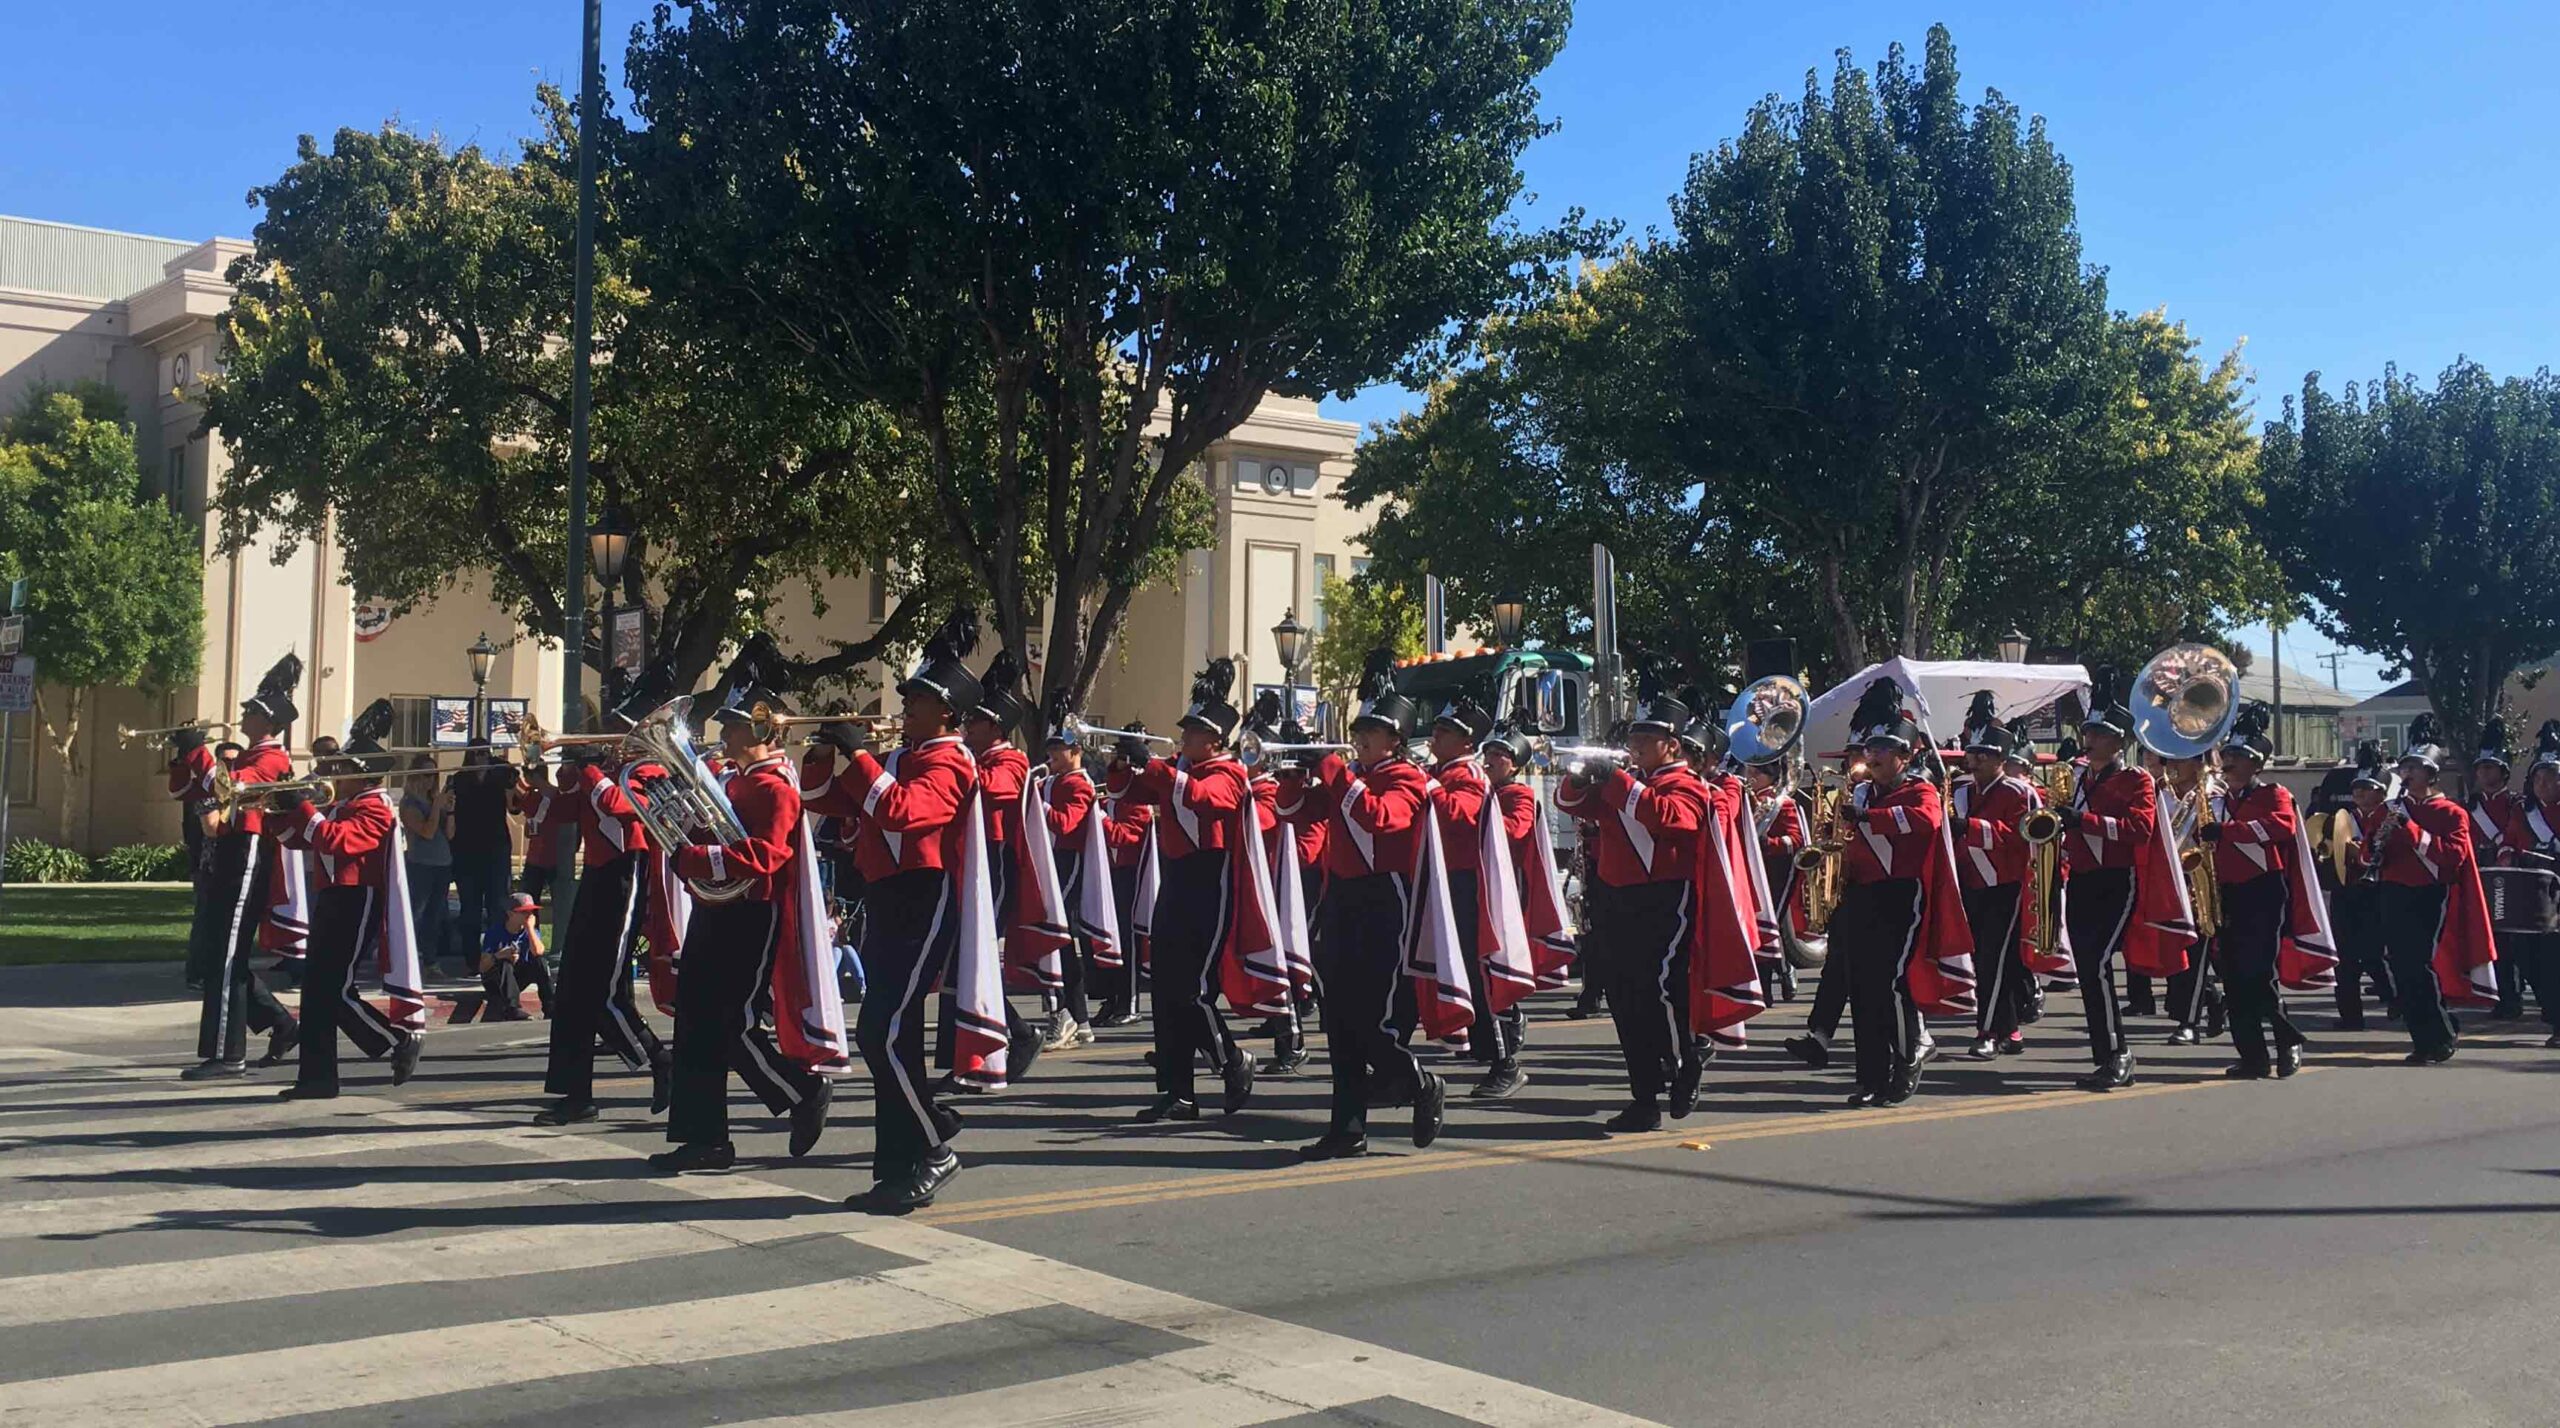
pixel 2249 732
pixel 940 673
pixel 1211 708
pixel 274 698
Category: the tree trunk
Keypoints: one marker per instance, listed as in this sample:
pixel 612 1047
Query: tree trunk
pixel 1846 636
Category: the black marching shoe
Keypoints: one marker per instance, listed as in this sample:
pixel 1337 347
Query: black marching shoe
pixel 1288 1063
pixel 695 1156
pixel 565 1112
pixel 953 1086
pixel 1684 1088
pixel 1906 1080
pixel 809 1118
pixel 1238 1075
pixel 1170 1108
pixel 2014 1046
pixel 1116 1016
pixel 1019 1057
pixel 1809 1050
pixel 2184 1036
pixel 2552 1042
pixel 215 1070
pixel 2034 1011
pixel 2217 1019
pixel 2288 1060
pixel 1863 1098
pixel 2247 1069
pixel 282 1044
pixel 1505 1079
pixel 1638 1116
pixel 913 1191
pixel 404 1059
pixel 1335 1145
pixel 1430 1107
pixel 299 1092
pixel 2118 1071
pixel 662 1085
pixel 1984 1049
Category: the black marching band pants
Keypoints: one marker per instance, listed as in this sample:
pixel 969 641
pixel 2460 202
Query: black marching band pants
pixel 2253 918
pixel 2538 953
pixel 236 999
pixel 2005 986
pixel 1075 960
pixel 1496 1038
pixel 2097 910
pixel 1359 957
pixel 1118 986
pixel 2411 919
pixel 911 929
pixel 720 999
pixel 1648 964
pixel 1873 933
pixel 344 925
pixel 594 995
pixel 1190 922
pixel 2356 912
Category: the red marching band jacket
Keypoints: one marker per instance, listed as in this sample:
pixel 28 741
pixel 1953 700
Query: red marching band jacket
pixel 357 843
pixel 1375 824
pixel 2432 845
pixel 284 923
pixel 2121 827
pixel 1902 833
pixel 2262 835
pixel 777 858
pixel 1211 805
pixel 1128 833
pixel 1283 856
pixel 1991 848
pixel 1076 820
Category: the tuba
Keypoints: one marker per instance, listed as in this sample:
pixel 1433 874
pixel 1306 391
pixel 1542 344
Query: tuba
pixel 682 803
pixel 2185 700
pixel 1766 720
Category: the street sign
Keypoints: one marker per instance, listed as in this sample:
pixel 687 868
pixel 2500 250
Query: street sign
pixel 17 684
pixel 17 594
pixel 13 634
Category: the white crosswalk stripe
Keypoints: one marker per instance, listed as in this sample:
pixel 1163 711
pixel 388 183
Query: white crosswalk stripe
pixel 1167 1361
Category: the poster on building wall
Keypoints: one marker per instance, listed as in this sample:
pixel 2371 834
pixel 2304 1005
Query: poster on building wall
pixel 506 722
pixel 449 722
pixel 1308 706
pixel 372 618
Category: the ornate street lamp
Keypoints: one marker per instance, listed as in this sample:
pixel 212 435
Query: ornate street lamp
pixel 2013 647
pixel 1509 612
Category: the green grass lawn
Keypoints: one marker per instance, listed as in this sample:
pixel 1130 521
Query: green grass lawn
pixel 94 924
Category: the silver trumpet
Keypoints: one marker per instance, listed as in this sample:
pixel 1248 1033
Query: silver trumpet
pixel 1578 760
pixel 1081 732
pixel 684 801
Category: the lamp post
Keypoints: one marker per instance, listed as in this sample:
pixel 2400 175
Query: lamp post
pixel 1289 639
pixel 608 546
pixel 1509 612
pixel 482 655
pixel 2013 647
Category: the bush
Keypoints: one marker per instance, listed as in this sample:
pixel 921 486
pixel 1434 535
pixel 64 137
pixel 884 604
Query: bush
pixel 32 861
pixel 144 863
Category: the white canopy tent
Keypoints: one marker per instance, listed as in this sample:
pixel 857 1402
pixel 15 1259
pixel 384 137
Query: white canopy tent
pixel 1938 692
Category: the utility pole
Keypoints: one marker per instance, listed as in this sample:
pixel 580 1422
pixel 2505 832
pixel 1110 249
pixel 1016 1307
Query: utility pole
pixel 582 334
pixel 2275 671
pixel 2333 659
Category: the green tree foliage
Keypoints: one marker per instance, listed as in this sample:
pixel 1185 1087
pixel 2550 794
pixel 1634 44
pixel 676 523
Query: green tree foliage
pixel 1114 226
pixel 1362 614
pixel 1867 393
pixel 396 356
pixel 2424 524
pixel 115 591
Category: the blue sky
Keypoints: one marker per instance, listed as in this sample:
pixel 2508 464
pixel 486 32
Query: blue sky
pixel 2341 185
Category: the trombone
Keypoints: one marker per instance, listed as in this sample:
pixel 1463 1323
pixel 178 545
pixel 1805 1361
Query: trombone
pixel 1081 732
pixel 229 793
pixel 126 733
pixel 769 721
pixel 1578 760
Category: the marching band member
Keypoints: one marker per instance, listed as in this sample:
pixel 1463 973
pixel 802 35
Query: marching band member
pixel 2435 924
pixel 1071 815
pixel 1003 773
pixel 1298 844
pixel 2111 829
pixel 1778 821
pixel 1375 804
pixel 1991 869
pixel 2493 810
pixel 1899 931
pixel 2188 791
pixel 1544 914
pixel 2356 908
pixel 1208 932
pixel 237 1000
pixel 360 907
pixel 593 996
pixel 2268 901
pixel 2537 845
pixel 1279 847
pixel 1736 931
pixel 1129 832
pixel 1646 820
pixel 922 851
pixel 1462 799
pixel 1812 1046
pixel 744 950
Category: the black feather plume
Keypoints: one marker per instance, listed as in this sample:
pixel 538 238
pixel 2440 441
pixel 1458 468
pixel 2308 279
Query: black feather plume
pixel 1983 710
pixel 1880 704
pixel 1059 707
pixel 1003 673
pixel 2422 730
pixel 1377 674
pixel 2253 719
pixel 2369 755
pixel 1214 680
pixel 1692 698
pixel 956 639
pixel 1266 713
pixel 1648 679
pixel 374 724
pixel 2493 737
pixel 2547 741
pixel 282 678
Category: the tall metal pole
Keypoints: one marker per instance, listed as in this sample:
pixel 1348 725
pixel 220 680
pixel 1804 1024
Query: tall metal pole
pixel 2275 671
pixel 582 332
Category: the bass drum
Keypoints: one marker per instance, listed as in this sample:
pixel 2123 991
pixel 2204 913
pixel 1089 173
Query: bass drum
pixel 2522 899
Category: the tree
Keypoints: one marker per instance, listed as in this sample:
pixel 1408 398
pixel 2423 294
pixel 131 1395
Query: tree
pixel 395 356
pixel 1361 614
pixel 115 592
pixel 1114 226
pixel 2424 524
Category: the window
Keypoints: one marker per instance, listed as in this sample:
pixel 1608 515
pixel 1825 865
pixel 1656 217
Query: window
pixel 174 483
pixel 1315 602
pixel 879 596
pixel 1359 566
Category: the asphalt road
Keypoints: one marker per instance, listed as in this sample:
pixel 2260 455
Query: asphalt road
pixel 2366 1243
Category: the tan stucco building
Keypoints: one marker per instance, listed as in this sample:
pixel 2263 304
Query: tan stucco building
pixel 138 313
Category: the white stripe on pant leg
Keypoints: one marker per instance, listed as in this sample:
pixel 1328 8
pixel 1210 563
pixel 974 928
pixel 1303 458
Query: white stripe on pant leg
pixel 231 952
pixel 633 1052
pixel 1387 1027
pixel 2444 1017
pixel 1999 966
pixel 1901 971
pixel 747 1014
pixel 357 1008
pixel 2106 965
pixel 1662 976
pixel 915 974
pixel 1207 998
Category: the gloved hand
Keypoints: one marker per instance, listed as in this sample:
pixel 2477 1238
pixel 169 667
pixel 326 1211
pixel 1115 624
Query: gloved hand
pixel 187 740
pixel 293 800
pixel 2209 833
pixel 2069 817
pixel 845 738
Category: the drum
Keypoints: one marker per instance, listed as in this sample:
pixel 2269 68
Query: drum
pixel 2522 899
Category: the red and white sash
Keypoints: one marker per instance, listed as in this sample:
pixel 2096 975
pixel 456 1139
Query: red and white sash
pixel 403 979
pixel 977 963
pixel 286 930
pixel 808 1006
pixel 1097 911
pixel 1033 944
pixel 1444 995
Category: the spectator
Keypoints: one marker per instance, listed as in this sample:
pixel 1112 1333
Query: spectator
pixel 425 816
pixel 538 802
pixel 510 956
pixel 483 847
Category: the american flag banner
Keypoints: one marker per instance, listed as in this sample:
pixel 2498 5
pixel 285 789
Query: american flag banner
pixel 449 722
